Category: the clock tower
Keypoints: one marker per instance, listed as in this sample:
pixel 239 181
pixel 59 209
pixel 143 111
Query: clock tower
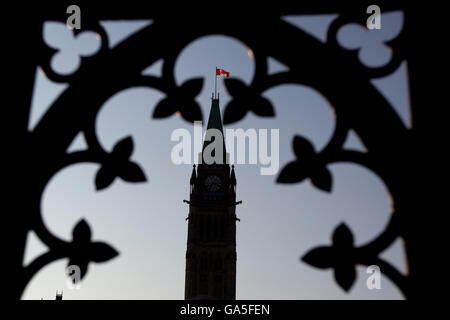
pixel 211 239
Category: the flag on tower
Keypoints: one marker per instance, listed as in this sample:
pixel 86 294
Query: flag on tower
pixel 221 72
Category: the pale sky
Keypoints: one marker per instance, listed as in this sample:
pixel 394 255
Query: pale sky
pixel 279 223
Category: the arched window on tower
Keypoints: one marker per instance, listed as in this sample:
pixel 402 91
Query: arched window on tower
pixel 222 228
pixel 216 228
pixel 208 228
pixel 203 262
pixel 210 260
pixel 218 263
pixel 201 227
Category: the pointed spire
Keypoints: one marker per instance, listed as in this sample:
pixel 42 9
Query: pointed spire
pixel 215 122
pixel 233 176
pixel 193 175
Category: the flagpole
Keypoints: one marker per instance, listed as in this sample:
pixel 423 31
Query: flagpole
pixel 215 86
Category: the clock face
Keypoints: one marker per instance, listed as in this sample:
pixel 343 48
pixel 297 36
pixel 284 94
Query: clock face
pixel 213 183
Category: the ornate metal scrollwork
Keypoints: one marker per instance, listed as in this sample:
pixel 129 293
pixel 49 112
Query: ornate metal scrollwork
pixel 327 67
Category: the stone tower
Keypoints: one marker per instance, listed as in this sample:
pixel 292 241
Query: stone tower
pixel 211 240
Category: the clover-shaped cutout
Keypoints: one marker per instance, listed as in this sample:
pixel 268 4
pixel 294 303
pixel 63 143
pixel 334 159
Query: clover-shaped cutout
pixel 308 165
pixel 181 100
pixel 83 251
pixel 341 256
pixel 371 44
pixel 69 47
pixel 245 98
pixel 118 165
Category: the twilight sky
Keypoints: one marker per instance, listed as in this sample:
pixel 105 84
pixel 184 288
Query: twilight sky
pixel 279 223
